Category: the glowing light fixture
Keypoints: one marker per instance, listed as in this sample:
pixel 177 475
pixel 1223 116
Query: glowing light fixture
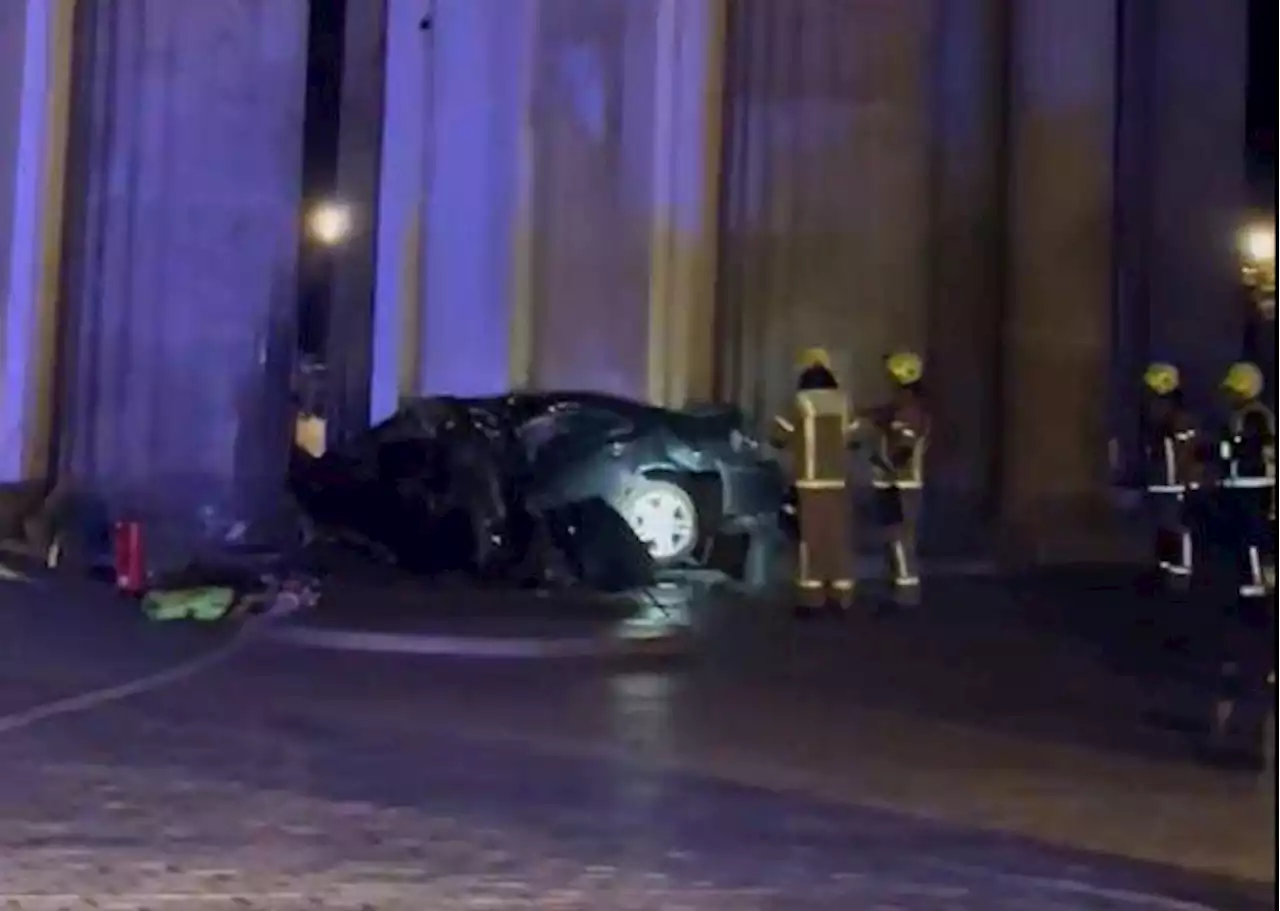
pixel 1258 245
pixel 329 223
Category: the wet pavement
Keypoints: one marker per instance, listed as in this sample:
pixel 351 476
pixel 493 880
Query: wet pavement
pixel 957 757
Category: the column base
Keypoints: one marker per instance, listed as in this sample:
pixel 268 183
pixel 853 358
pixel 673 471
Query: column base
pixel 1082 528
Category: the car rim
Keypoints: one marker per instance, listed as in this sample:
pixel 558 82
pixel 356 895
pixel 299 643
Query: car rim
pixel 663 521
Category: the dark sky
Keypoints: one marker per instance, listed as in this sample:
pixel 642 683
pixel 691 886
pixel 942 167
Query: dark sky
pixel 1262 81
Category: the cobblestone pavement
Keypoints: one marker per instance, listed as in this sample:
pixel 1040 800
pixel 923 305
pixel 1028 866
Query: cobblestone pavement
pixel 284 778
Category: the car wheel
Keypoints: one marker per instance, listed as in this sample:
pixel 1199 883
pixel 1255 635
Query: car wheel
pixel 662 515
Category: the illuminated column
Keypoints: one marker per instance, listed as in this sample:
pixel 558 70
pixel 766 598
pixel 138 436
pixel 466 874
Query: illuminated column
pixel 181 287
pixel 406 115
pixel 689 80
pixel 35 69
pixel 473 148
pixel 626 153
pixel 1058 312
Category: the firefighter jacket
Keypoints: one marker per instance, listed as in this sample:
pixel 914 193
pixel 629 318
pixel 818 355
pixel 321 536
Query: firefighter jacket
pixel 1248 449
pixel 903 436
pixel 1170 451
pixel 816 430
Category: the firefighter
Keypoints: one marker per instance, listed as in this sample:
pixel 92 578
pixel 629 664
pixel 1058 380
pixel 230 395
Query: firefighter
pixel 1247 492
pixel 1170 472
pixel 815 430
pixel 1247 456
pixel 902 433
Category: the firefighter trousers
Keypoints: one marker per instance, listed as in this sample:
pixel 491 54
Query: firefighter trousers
pixel 902 525
pixel 1253 533
pixel 823 563
pixel 1174 547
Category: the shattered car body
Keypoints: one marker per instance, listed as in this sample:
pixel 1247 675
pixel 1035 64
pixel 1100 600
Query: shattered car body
pixel 449 483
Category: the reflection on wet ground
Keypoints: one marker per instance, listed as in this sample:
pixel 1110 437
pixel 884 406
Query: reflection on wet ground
pixel 786 767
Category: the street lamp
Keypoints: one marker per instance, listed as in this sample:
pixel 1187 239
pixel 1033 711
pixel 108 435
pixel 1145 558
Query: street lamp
pixel 329 223
pixel 1259 243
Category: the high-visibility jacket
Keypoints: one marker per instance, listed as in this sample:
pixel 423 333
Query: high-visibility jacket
pixel 816 430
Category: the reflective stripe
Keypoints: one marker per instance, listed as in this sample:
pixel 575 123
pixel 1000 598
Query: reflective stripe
pixel 907 582
pixel 820 485
pixel 1184 435
pixel 1166 488
pixel 1174 570
pixel 898 485
pixel 808 584
pixel 1249 483
pixel 784 424
pixel 1252 591
pixel 1255 568
pixel 842 585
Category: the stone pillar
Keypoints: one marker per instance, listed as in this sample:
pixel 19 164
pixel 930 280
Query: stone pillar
pixel 688 103
pixel 35 84
pixel 401 200
pixel 182 240
pixel 1058 313
pixel 826 192
pixel 1185 195
pixel 476 110
pixel 967 258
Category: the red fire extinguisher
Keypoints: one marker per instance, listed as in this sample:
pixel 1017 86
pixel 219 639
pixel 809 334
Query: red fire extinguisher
pixel 130 565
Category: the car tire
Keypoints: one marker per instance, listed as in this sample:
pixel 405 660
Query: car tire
pixel 663 516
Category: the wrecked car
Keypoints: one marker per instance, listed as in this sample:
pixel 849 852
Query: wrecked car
pixel 452 483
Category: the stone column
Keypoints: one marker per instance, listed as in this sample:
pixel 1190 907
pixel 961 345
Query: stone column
pixel 182 241
pixel 475 117
pixel 966 258
pixel 35 85
pixel 688 103
pixel 1058 313
pixel 403 166
pixel 1186 196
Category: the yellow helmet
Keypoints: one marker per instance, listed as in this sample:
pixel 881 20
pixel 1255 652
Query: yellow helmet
pixel 1161 378
pixel 905 367
pixel 814 357
pixel 1244 379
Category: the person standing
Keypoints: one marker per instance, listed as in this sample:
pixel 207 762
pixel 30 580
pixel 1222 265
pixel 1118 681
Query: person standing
pixel 1171 441
pixel 815 431
pixel 1247 491
pixel 902 427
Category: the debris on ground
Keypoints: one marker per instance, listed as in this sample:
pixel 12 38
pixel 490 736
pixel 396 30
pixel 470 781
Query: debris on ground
pixel 228 594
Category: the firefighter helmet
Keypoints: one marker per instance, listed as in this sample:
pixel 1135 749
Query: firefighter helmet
pixel 814 357
pixel 905 367
pixel 1161 378
pixel 1244 379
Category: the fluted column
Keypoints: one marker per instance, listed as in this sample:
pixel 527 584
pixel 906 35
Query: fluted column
pixel 1182 192
pixel 400 205
pixel 1057 317
pixel 182 242
pixel 688 104
pixel 35 70
pixel 966 257
pixel 475 110
pixel 826 194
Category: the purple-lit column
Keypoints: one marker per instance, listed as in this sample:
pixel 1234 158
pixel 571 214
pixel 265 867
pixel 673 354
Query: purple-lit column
pixel 1057 316
pixel 181 290
pixel 35 69
pixel 401 202
pixel 477 110
pixel 625 189
pixel 687 134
